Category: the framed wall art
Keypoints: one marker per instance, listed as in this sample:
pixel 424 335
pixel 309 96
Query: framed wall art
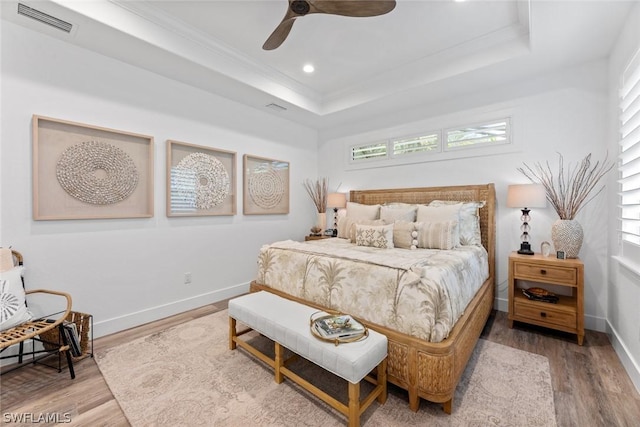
pixel 88 172
pixel 200 180
pixel 266 186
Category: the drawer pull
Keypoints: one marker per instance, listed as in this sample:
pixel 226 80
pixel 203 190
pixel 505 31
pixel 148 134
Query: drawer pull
pixel 543 314
pixel 543 271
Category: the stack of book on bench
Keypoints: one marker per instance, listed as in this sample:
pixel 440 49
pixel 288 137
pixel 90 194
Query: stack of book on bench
pixel 339 327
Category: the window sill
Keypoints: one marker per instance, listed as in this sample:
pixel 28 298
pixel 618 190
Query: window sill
pixel 628 264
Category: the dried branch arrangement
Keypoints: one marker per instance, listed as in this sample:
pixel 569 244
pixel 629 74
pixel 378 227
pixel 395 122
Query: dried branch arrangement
pixel 569 192
pixel 318 191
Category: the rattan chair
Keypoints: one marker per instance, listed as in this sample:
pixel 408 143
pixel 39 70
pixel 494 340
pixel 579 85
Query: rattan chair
pixel 37 329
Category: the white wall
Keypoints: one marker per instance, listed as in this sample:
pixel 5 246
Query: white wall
pixel 560 112
pixel 624 284
pixel 130 271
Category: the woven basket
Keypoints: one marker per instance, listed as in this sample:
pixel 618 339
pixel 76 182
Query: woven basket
pixel 83 324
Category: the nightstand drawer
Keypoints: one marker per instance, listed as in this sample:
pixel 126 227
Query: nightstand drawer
pixel 545 314
pixel 545 273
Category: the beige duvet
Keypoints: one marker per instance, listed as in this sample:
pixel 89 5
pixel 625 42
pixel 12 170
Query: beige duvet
pixel 419 292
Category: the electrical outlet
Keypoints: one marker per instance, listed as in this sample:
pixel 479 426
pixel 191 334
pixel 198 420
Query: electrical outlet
pixel 187 278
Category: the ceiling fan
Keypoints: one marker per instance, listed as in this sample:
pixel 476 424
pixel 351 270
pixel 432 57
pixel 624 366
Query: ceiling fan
pixel 298 8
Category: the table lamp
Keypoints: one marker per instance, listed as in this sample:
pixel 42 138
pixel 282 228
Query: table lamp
pixel 336 201
pixel 525 196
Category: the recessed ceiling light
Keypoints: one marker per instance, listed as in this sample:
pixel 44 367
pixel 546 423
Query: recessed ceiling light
pixel 308 68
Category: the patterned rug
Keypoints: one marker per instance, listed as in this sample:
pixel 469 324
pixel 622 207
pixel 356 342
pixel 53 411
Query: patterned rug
pixel 186 375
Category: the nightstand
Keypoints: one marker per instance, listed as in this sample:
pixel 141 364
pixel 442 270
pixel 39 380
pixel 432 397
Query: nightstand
pixel 312 237
pixel 568 313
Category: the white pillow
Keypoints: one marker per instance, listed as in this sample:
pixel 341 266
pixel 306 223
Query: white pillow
pixel 391 214
pixel 469 221
pixel 377 236
pixel 13 310
pixel 443 213
pixel 360 211
pixel 438 235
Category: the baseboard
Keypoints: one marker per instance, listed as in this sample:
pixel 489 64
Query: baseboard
pixel 631 365
pixel 117 324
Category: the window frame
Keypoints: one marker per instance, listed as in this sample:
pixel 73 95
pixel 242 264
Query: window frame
pixel 629 153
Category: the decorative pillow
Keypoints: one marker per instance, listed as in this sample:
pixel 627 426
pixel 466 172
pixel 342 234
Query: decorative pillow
pixel 351 226
pixel 391 214
pixel 355 211
pixel 405 234
pixel 469 221
pixel 438 235
pixel 377 236
pixel 441 213
pixel 13 310
pixel 360 211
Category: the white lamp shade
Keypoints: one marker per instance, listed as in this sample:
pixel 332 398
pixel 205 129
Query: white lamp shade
pixel 526 196
pixel 336 200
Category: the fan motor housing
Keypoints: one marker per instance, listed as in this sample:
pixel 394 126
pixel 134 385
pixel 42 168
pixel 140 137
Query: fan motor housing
pixel 301 7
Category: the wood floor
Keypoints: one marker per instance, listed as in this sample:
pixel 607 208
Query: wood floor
pixel 590 385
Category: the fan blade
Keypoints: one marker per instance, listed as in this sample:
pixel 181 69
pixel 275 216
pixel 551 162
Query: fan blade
pixel 352 7
pixel 281 32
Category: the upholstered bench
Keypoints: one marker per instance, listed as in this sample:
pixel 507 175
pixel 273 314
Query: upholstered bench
pixel 286 323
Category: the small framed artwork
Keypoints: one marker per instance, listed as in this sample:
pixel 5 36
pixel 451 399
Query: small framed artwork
pixel 560 255
pixel 82 171
pixel 200 180
pixel 266 186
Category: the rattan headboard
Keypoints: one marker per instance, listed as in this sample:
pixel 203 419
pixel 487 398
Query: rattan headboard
pixel 424 195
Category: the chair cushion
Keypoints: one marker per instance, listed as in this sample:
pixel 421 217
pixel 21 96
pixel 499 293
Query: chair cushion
pixel 13 310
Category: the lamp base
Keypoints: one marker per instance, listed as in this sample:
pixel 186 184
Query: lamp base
pixel 525 249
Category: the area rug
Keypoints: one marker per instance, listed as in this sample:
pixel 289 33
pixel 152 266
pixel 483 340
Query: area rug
pixel 186 375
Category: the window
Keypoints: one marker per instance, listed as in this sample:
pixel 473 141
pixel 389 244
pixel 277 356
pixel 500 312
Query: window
pixel 370 151
pixel 429 146
pixel 417 144
pixel 473 136
pixel 629 165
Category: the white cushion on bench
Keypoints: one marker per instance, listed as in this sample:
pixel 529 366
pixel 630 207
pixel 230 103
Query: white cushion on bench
pixel 287 322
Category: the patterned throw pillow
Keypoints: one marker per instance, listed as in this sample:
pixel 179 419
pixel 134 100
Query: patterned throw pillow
pixel 441 213
pixel 438 235
pixel 13 310
pixel 350 226
pixel 377 236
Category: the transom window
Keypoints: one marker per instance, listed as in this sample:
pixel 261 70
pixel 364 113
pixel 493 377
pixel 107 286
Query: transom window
pixel 494 132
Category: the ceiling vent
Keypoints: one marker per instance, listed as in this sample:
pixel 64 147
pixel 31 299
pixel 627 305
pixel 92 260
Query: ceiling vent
pixel 276 107
pixel 45 18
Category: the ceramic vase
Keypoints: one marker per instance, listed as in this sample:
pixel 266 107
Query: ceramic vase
pixel 322 221
pixel 567 236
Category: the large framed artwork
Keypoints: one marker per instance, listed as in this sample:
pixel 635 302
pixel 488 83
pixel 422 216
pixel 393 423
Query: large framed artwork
pixel 82 171
pixel 200 180
pixel 266 186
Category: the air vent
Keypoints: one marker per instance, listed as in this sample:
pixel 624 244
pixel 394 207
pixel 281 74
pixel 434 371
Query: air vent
pixel 276 107
pixel 52 21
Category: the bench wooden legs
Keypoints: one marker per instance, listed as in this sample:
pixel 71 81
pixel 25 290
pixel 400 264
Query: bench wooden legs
pixel 354 405
pixel 279 362
pixel 353 410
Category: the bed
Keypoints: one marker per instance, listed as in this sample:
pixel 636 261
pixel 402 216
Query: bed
pixel 426 369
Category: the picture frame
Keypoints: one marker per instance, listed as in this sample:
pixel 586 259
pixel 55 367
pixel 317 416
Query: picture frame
pixel 560 255
pixel 200 180
pixel 83 171
pixel 265 186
